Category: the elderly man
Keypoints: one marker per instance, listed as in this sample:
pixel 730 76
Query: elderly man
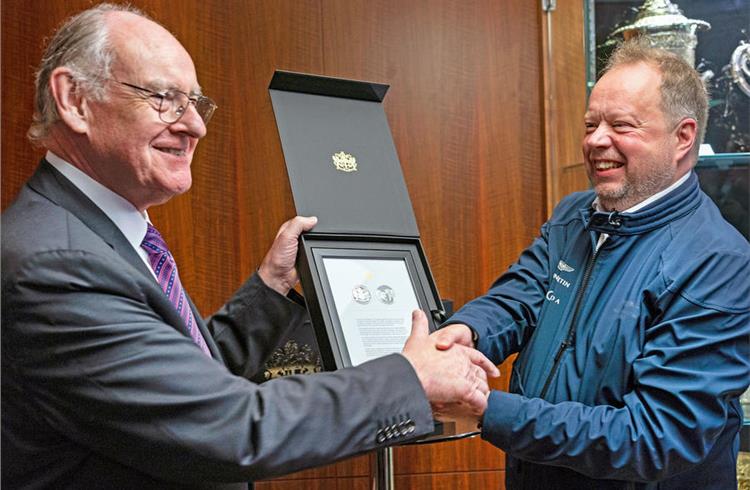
pixel 630 312
pixel 110 378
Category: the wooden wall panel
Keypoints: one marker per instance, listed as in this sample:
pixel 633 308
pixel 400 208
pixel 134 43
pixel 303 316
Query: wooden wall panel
pixel 465 107
pixel 361 483
pixel 564 63
pixel 468 143
pixel 494 480
pixel 24 28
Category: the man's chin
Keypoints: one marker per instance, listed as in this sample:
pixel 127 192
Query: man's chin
pixel 609 191
pixel 610 195
pixel 167 191
pixel 180 182
pixel 182 188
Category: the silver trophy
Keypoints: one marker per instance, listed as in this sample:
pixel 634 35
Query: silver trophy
pixel 739 67
pixel 664 25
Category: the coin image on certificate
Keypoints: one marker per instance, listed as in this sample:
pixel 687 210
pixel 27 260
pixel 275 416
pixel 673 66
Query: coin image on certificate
pixel 361 294
pixel 385 294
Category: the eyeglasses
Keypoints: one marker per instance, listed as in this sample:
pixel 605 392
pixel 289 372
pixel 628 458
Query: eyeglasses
pixel 174 103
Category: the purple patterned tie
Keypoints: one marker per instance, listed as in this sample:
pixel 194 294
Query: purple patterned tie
pixel 164 267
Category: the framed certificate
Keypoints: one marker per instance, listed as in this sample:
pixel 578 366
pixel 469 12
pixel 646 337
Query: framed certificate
pixel 361 296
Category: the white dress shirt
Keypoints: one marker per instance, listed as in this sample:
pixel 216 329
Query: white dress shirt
pixel 131 222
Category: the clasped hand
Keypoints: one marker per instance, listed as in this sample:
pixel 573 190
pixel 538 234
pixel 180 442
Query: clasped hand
pixel 453 376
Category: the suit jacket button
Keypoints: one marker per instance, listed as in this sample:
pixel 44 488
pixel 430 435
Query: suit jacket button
pixel 380 437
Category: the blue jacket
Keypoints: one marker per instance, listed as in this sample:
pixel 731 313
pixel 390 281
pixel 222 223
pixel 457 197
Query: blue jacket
pixel 632 358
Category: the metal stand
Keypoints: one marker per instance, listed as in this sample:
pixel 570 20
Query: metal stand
pixel 383 477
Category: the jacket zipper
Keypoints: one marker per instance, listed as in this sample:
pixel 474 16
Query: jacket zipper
pixel 570 337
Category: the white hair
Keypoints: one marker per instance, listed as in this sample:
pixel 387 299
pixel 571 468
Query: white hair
pixel 82 45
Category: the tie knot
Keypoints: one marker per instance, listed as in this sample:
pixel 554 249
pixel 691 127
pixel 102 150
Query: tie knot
pixel 153 241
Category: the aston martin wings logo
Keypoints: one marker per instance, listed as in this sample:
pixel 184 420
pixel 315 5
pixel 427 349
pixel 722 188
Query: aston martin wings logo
pixel 563 267
pixel 344 162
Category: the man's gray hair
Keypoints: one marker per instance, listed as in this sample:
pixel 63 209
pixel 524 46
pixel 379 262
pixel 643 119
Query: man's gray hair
pixel 81 44
pixel 683 93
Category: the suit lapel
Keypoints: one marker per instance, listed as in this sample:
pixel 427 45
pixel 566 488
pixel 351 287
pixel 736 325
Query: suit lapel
pixel 58 189
pixel 50 183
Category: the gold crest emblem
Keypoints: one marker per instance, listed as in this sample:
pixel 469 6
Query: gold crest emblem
pixel 344 162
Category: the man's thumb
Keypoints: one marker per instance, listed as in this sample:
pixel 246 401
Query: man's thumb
pixel 419 327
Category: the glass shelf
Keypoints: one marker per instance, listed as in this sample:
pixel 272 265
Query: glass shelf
pixel 726 179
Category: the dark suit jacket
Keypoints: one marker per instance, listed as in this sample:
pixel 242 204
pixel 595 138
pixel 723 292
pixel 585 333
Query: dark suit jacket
pixel 102 386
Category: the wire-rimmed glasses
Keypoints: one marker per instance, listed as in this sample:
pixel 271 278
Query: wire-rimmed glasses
pixel 174 103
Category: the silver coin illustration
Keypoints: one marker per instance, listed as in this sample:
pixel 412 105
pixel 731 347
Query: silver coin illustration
pixel 385 294
pixel 361 294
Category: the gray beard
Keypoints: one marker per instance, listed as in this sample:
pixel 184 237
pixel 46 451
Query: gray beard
pixel 631 193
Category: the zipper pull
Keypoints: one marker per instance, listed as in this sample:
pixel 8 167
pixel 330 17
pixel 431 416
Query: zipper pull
pixel 564 345
pixel 614 219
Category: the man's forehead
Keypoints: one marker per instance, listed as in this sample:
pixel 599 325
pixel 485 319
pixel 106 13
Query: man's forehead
pixel 628 82
pixel 612 112
pixel 134 27
pixel 160 84
pixel 150 54
pixel 640 75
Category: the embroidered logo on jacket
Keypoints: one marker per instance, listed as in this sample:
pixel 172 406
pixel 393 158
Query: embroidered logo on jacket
pixel 551 297
pixel 563 267
pixel 560 280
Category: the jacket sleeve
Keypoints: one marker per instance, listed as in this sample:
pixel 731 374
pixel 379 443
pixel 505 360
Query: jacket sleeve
pixel 506 316
pixel 82 348
pixel 251 324
pixel 694 364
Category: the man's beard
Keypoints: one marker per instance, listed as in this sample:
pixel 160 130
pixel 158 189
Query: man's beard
pixel 630 193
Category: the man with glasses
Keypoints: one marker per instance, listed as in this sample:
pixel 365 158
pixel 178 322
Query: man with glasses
pixel 110 378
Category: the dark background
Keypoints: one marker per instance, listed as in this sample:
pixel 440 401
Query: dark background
pixel 729 115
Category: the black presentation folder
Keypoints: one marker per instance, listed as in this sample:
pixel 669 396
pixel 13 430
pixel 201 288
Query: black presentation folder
pixel 343 168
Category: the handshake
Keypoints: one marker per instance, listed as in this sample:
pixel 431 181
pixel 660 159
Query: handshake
pixel 453 374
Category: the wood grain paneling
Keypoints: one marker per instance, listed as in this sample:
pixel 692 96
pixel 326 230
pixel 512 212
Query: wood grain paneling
pixel 24 28
pixel 465 107
pixel 353 467
pixel 494 480
pixel 565 99
pixel 361 483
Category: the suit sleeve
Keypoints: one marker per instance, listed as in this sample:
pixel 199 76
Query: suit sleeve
pixel 251 324
pixel 505 317
pixel 694 364
pixel 83 344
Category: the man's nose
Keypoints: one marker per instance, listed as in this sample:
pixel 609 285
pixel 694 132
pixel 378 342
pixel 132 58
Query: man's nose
pixel 601 136
pixel 191 123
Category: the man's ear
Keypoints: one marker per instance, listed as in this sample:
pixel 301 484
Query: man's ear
pixel 71 105
pixel 686 132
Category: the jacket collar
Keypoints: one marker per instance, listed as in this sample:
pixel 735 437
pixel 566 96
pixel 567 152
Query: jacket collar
pixel 50 183
pixel 681 201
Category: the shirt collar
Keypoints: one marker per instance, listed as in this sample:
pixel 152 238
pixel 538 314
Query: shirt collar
pixel 648 200
pixel 131 222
